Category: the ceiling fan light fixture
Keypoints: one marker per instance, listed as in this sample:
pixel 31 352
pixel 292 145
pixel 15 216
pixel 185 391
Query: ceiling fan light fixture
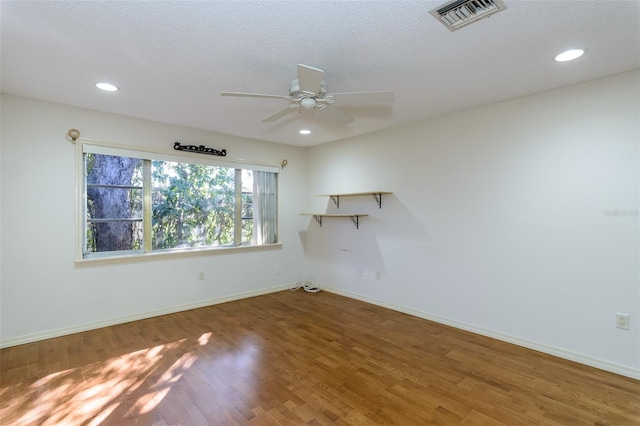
pixel 308 103
pixel 569 55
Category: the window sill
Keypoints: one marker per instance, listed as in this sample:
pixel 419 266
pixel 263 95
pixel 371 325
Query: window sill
pixel 133 258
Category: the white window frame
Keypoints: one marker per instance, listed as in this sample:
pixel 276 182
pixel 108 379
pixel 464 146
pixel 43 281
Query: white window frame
pixel 84 146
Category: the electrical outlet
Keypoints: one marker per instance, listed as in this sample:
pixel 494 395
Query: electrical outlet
pixel 276 269
pixel 201 275
pixel 622 321
pixel 378 275
pixel 359 271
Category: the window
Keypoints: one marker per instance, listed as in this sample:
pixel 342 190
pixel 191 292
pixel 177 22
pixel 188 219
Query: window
pixel 139 203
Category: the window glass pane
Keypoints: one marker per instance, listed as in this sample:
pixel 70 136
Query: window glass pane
pixel 113 203
pixel 190 205
pixel 247 207
pixel 265 212
pixel 193 205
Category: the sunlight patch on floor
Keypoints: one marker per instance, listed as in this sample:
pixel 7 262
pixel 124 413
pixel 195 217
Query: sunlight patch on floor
pixel 92 392
pixel 149 401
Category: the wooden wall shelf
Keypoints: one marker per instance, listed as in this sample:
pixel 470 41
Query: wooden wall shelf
pixel 355 217
pixel 377 195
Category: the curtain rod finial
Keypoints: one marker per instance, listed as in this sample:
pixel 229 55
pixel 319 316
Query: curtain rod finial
pixel 74 134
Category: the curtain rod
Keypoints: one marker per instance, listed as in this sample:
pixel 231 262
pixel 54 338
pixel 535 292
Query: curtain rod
pixel 74 134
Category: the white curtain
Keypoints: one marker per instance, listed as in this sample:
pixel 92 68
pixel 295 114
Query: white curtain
pixel 265 212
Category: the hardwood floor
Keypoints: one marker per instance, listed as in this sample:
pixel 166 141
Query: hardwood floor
pixel 296 358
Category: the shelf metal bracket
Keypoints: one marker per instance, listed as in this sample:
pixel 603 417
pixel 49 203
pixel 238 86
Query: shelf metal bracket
pixel 318 219
pixel 378 198
pixel 336 200
pixel 355 220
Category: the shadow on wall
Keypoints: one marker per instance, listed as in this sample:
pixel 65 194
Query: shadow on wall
pixel 339 244
pixel 421 262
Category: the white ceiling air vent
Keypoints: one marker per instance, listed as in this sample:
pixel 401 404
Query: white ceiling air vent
pixel 460 13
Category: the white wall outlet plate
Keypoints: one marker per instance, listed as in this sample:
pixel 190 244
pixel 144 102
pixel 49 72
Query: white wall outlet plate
pixel 622 321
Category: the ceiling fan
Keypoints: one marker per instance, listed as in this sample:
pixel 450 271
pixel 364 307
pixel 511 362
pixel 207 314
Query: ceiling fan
pixel 309 91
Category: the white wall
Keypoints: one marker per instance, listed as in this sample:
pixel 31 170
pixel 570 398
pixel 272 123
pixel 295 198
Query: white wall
pixel 498 222
pixel 43 294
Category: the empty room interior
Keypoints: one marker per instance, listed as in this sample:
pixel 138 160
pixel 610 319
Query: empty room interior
pixel 320 213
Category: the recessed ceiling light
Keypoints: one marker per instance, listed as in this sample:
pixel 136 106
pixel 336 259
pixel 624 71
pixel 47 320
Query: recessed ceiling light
pixel 108 87
pixel 304 132
pixel 569 55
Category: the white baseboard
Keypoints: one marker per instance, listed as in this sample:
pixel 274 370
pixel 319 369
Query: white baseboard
pixel 560 353
pixel 30 338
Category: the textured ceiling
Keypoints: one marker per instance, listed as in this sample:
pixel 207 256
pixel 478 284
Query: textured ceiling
pixel 172 59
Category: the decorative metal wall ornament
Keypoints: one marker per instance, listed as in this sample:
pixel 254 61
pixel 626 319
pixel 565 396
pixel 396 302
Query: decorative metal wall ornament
pixel 200 149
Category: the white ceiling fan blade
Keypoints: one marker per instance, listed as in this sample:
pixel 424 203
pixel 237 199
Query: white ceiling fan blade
pixel 278 115
pixel 309 91
pixel 361 98
pixel 310 79
pixel 252 95
pixel 337 115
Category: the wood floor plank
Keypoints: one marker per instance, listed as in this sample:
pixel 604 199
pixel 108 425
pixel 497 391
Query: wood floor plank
pixel 295 358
